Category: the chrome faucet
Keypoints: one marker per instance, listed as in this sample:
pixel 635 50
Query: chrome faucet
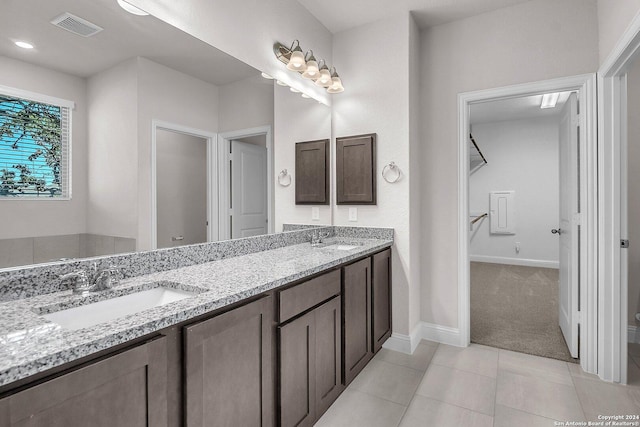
pixel 102 279
pixel 317 237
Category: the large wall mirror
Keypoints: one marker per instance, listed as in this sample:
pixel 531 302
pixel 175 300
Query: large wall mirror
pixel 172 141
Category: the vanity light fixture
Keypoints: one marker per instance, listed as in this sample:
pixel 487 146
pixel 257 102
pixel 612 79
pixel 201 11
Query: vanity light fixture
pixel 308 66
pixel 324 80
pixel 23 44
pixel 549 100
pixel 131 8
pixel 336 83
pixel 297 58
pixel 312 71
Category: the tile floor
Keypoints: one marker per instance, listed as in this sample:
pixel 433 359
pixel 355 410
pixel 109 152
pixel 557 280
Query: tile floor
pixel 478 386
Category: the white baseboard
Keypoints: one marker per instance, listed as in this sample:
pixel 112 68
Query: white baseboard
pixel 423 331
pixel 515 261
pixel 441 334
pixel 633 334
pixel 404 343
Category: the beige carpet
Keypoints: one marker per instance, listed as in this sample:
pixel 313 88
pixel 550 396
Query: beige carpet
pixel 516 308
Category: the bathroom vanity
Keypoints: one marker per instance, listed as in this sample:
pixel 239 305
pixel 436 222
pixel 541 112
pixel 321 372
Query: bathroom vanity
pixel 271 337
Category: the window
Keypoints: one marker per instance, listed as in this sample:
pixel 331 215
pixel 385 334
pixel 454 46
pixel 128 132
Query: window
pixel 35 146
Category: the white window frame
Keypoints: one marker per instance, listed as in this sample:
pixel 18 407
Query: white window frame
pixel 58 102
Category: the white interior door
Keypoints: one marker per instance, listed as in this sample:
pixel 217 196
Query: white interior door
pixel 248 190
pixel 569 232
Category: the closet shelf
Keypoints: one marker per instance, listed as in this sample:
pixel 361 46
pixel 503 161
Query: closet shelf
pixel 476 158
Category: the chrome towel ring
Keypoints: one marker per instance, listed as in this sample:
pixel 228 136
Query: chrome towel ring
pixel 392 168
pixel 284 178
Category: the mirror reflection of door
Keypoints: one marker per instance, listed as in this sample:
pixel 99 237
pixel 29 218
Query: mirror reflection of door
pixel 181 187
pixel 248 187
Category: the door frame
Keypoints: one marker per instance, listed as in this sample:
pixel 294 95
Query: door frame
pixel 224 143
pixel 612 260
pixel 586 85
pixel 212 178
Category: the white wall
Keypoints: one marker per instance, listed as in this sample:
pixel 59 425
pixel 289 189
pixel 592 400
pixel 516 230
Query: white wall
pixel 379 102
pixel 49 217
pixel 181 182
pixel 614 16
pixel 170 96
pixel 247 31
pixel 296 119
pixel 536 40
pixel 113 155
pixel 633 190
pixel 245 104
pixel 522 156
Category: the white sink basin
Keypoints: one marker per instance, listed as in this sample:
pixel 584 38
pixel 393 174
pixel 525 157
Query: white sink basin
pixel 104 311
pixel 341 247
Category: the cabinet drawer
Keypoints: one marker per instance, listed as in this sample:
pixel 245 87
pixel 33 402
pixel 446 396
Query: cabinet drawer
pixel 302 297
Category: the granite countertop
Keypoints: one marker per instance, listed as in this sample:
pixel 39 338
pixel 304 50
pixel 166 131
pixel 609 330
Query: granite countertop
pixel 30 344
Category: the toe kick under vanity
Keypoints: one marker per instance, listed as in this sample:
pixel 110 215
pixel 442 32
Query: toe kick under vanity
pixel 265 331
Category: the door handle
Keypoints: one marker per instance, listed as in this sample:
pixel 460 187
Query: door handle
pixel 556 231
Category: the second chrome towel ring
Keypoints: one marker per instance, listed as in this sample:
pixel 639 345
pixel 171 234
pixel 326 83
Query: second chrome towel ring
pixel 391 173
pixel 284 178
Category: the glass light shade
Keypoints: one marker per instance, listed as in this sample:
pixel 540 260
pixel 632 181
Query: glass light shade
pixel 336 85
pixel 297 62
pixel 312 71
pixel 325 78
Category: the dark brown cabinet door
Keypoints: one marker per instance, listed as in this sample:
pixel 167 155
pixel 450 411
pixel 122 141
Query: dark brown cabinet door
pixel 297 372
pixel 312 172
pixel 328 354
pixel 228 368
pixel 310 365
pixel 355 170
pixel 381 299
pixel 128 389
pixel 356 298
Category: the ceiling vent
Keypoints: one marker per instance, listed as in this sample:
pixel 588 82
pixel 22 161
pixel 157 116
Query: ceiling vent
pixel 76 25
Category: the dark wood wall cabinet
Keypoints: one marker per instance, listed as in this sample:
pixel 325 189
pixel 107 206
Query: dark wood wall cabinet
pixel 355 170
pixel 280 358
pixel 312 173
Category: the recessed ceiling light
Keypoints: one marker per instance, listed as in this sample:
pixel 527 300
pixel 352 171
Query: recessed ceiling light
pixel 131 8
pixel 294 90
pixel 549 100
pixel 267 76
pixel 281 83
pixel 304 95
pixel 24 45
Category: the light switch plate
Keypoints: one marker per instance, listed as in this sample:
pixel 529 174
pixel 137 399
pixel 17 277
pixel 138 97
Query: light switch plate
pixel 353 214
pixel 315 214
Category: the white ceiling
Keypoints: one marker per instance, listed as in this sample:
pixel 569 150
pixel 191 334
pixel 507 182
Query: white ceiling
pixel 340 15
pixel 125 36
pixel 524 107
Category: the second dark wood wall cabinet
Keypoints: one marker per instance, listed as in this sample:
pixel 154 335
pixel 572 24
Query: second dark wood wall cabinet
pixel 355 170
pixel 312 173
